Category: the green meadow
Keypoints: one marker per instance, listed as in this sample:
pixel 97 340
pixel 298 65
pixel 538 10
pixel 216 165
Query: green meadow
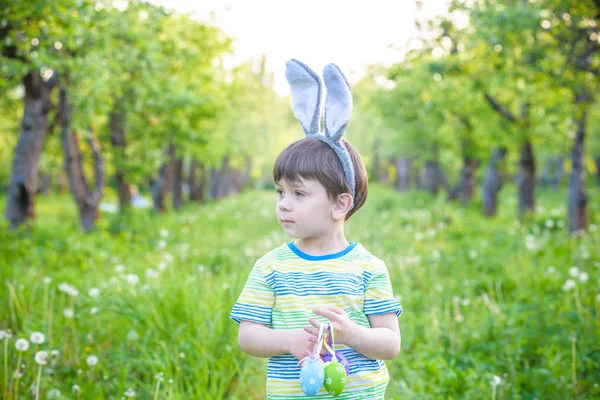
pixel 139 307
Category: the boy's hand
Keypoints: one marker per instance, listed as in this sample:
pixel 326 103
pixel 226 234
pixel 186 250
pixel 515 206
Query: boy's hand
pixel 343 326
pixel 299 342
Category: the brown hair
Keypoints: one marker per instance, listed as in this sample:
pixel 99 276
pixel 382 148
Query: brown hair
pixel 315 159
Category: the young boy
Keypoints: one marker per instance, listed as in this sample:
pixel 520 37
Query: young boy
pixel 320 181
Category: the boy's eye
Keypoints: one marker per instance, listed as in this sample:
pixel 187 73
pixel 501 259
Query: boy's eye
pixel 279 191
pixel 300 194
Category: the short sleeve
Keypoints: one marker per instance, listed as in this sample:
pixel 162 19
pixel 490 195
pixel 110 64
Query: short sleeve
pixel 379 296
pixel 256 300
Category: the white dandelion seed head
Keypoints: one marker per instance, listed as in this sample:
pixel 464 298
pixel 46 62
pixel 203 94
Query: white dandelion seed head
pixel 496 380
pixel 182 355
pixel 132 279
pixel 94 292
pixel 164 233
pixel 583 277
pixel 17 374
pixel 130 393
pixel 152 273
pixel 37 338
pixel 91 360
pixel 68 312
pixel 119 268
pixel 94 310
pixel 162 244
pixel 47 280
pixel 41 357
pixel 76 388
pixel 22 344
pixel 68 289
pixel 569 284
pixel 53 393
pixel 168 257
pixel 574 272
pixel 55 353
pixel 132 335
pixel 162 265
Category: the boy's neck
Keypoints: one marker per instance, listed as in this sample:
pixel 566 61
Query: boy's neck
pixel 320 246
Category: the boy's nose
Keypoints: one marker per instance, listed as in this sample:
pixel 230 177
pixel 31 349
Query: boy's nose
pixel 284 206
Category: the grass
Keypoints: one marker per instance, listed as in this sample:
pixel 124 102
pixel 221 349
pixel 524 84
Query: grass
pixel 488 310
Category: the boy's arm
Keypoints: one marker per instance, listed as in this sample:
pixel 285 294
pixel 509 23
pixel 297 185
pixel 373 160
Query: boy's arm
pixel 381 341
pixel 260 341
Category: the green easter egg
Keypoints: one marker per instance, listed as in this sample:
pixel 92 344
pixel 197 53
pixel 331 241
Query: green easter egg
pixel 335 378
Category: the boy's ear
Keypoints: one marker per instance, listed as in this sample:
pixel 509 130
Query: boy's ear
pixel 342 205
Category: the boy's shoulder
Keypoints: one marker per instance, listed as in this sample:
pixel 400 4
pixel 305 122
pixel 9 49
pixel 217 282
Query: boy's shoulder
pixel 369 258
pixel 277 253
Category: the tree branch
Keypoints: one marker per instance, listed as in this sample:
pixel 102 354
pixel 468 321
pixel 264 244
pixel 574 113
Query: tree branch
pixel 505 112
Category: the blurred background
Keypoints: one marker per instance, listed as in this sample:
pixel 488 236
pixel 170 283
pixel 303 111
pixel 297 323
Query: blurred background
pixel 136 145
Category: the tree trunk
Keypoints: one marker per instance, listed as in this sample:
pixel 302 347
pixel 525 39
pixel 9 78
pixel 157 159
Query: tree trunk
pixel 215 177
pixel 377 168
pixel 45 183
pixel 178 183
pixel 117 138
pixel 196 183
pixel 403 169
pixel 24 173
pixel 87 200
pixel 577 199
pixel 492 183
pixel 160 186
pixel 433 177
pixel 466 182
pixel 526 180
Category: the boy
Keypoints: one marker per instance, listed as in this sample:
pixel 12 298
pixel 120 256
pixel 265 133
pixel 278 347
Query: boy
pixel 320 181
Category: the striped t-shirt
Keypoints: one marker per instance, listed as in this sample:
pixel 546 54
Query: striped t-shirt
pixel 284 287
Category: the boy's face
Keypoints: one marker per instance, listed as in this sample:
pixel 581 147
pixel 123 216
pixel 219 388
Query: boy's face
pixel 303 209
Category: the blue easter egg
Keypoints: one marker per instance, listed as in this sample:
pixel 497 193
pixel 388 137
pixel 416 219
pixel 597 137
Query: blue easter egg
pixel 312 376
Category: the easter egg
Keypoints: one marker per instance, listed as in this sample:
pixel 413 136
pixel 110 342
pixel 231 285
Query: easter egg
pixel 335 378
pixel 312 376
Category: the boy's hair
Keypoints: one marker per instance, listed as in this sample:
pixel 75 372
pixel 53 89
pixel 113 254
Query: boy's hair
pixel 314 159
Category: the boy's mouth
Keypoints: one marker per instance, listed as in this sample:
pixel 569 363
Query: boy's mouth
pixel 287 221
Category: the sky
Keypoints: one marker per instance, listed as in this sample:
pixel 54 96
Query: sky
pixel 351 34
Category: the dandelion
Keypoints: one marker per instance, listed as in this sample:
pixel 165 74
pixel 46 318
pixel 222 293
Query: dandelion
pixel 164 233
pixel 162 244
pixel 130 393
pixel 473 254
pixel 574 272
pixel 132 279
pixel 530 243
pixel 132 335
pixel 68 312
pixel 17 374
pixel 583 277
pixel 22 344
pixel 41 357
pixel 162 265
pixel 37 338
pixel 119 268
pixel 152 273
pixel 55 353
pixel 76 388
pixel 53 393
pixel 91 360
pixel 569 284
pixel 47 280
pixel 496 380
pixel 68 289
pixel 94 310
pixel 94 292
pixel 549 223
pixel 182 355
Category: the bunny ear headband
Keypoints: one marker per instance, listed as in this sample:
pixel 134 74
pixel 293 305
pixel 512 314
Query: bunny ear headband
pixel 307 91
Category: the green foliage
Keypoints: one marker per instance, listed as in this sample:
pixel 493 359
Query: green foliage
pixel 481 298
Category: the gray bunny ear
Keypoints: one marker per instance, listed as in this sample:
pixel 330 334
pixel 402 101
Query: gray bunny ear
pixel 338 106
pixel 306 91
